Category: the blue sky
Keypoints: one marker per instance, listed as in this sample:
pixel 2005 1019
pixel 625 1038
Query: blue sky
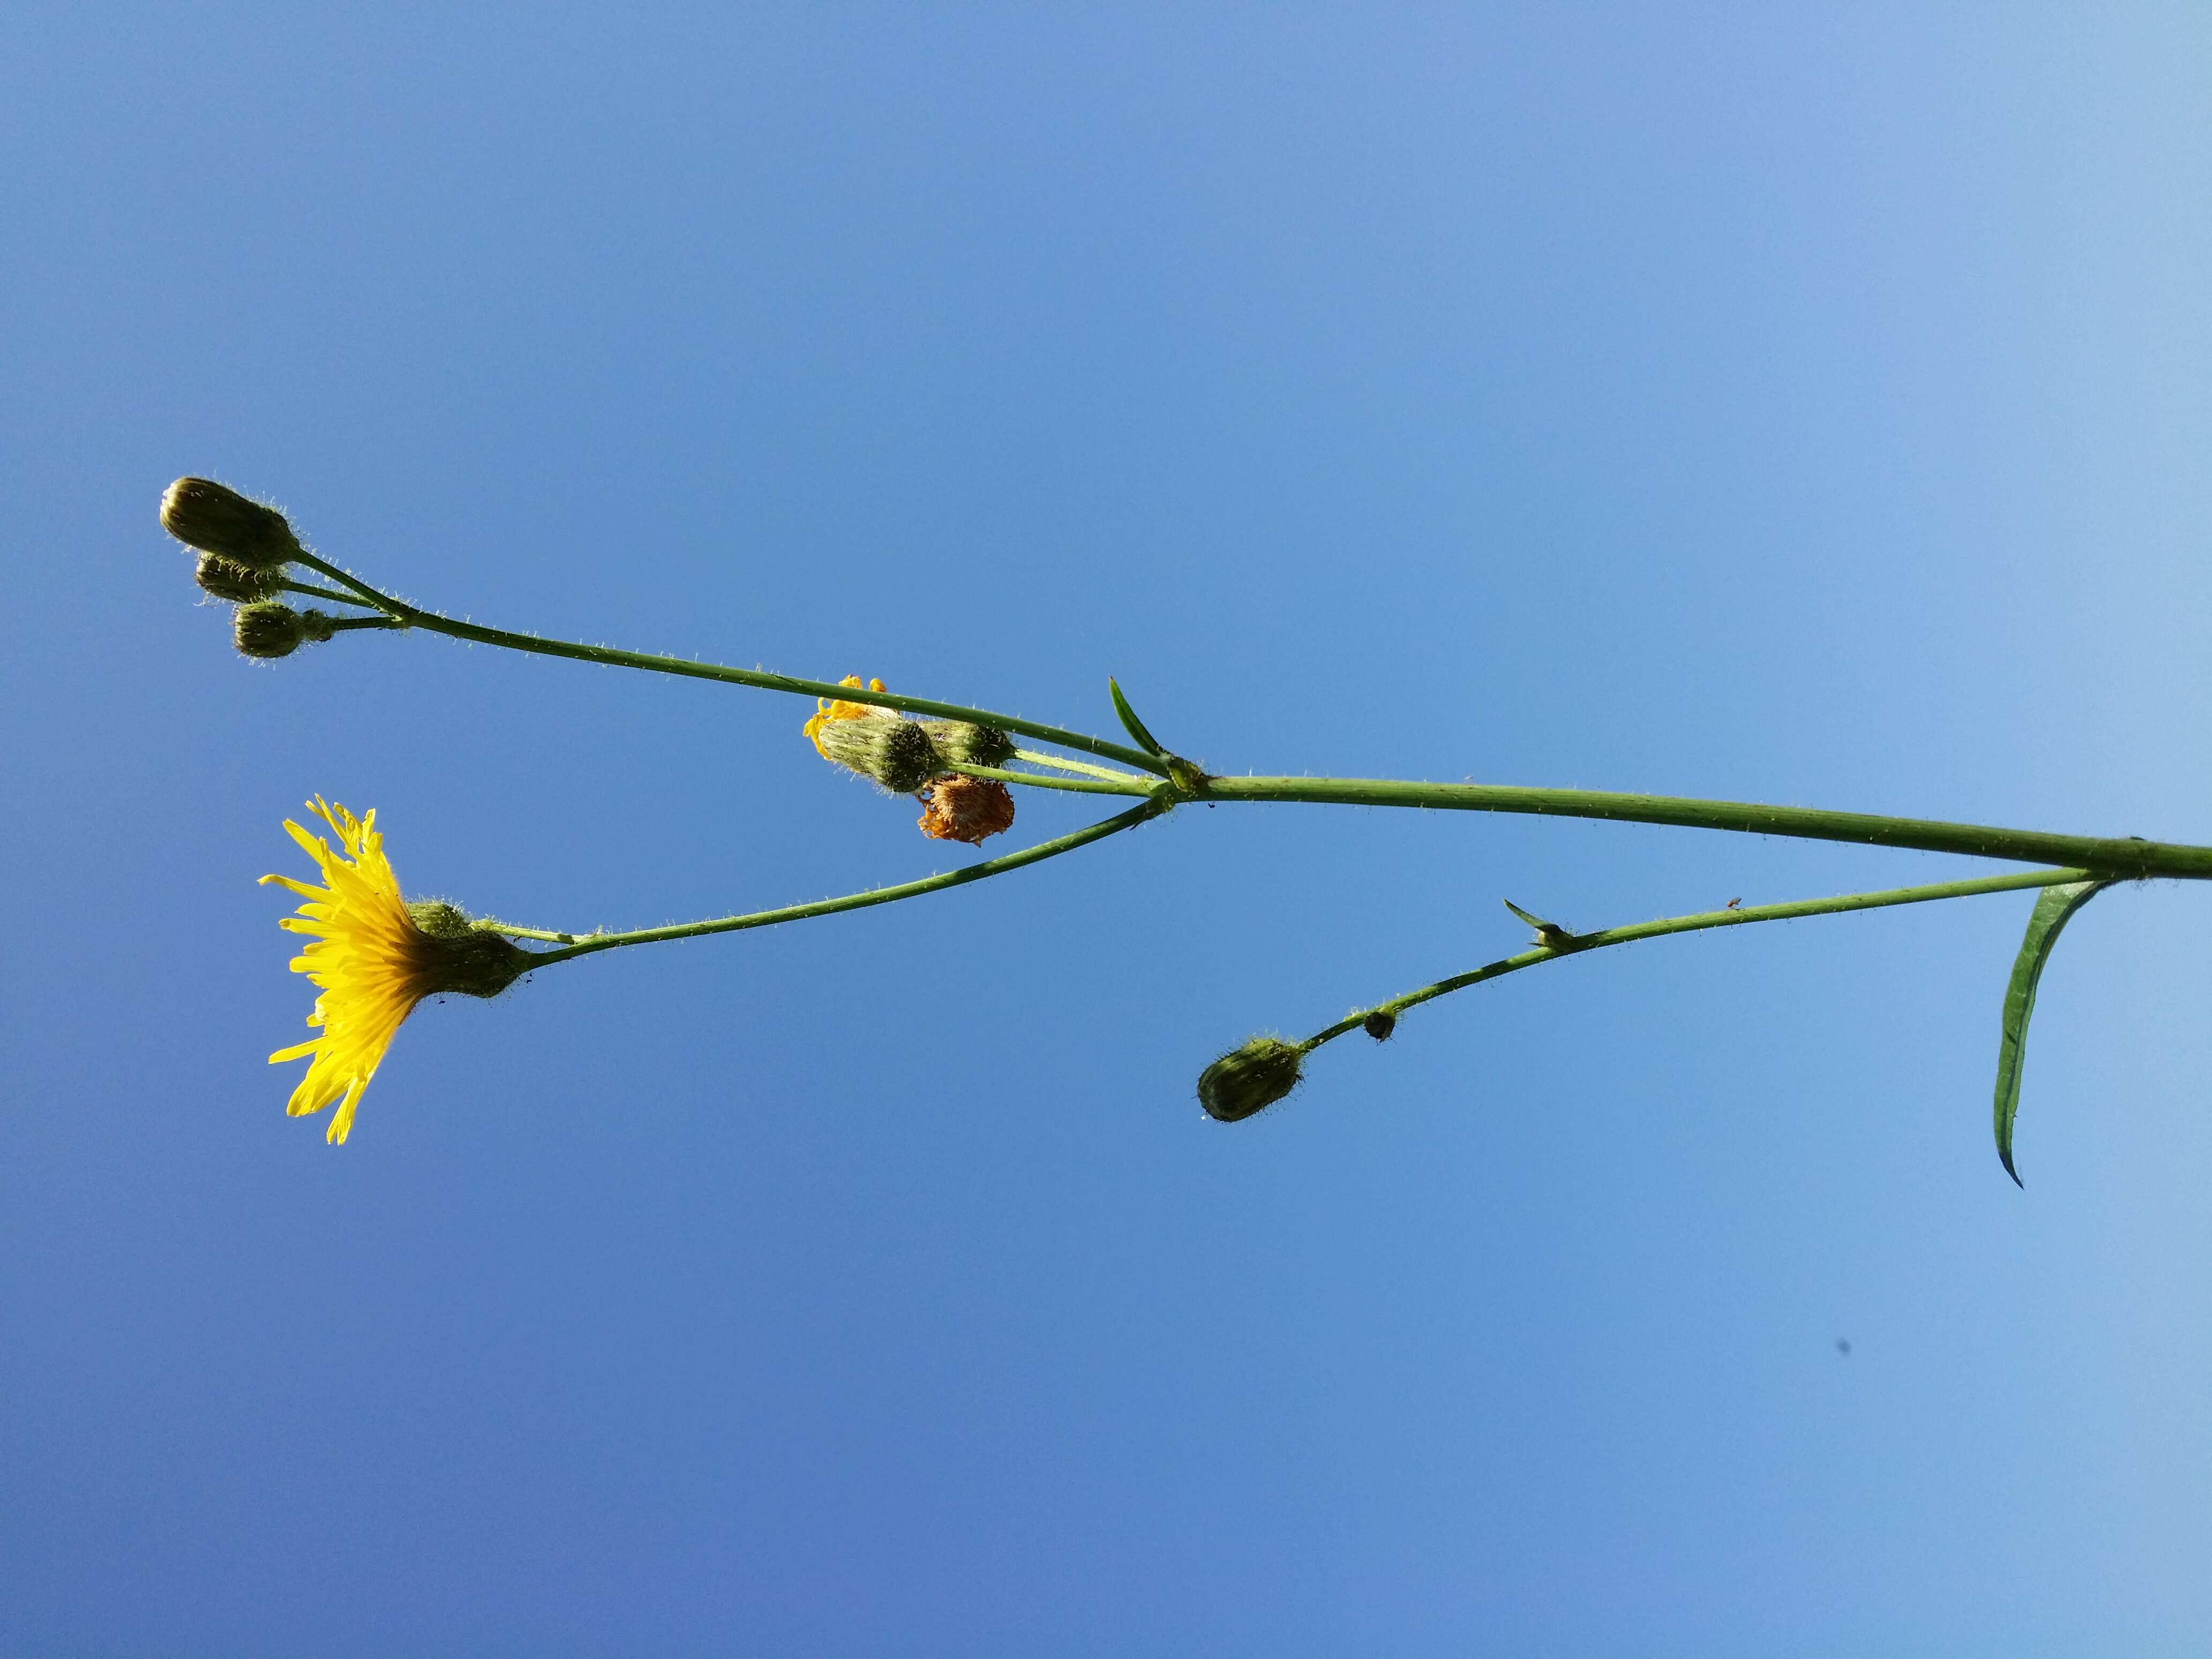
pixel 1729 401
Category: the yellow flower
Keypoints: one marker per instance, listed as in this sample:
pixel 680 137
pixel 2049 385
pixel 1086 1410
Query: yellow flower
pixel 827 709
pixel 373 962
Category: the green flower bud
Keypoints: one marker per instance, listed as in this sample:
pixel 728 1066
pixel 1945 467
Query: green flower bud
pixel 1251 1078
pixel 897 754
pixel 268 628
pixel 220 577
pixel 202 513
pixel 970 745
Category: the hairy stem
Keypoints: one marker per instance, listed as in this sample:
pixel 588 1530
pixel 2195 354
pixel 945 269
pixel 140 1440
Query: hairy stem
pixel 2126 858
pixel 592 944
pixel 436 623
pixel 315 592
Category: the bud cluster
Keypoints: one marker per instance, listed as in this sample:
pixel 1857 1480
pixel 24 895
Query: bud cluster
pixel 244 547
pixel 918 757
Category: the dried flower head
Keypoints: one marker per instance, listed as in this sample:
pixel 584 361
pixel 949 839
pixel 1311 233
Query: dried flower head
pixel 966 809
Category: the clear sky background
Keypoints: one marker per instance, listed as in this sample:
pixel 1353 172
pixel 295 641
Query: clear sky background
pixel 1754 402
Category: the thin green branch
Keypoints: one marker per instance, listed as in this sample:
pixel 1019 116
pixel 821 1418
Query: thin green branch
pixel 436 622
pixel 1577 943
pixel 369 595
pixel 1079 786
pixel 591 944
pixel 315 592
pixel 342 624
pixel 1062 763
pixel 2127 858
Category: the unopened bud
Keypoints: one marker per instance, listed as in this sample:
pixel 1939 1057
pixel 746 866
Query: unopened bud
pixel 215 518
pixel 970 745
pixel 268 628
pixel 226 580
pixel 1251 1078
pixel 963 808
pixel 897 754
pixel 1379 1025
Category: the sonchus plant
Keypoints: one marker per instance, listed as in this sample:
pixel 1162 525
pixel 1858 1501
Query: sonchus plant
pixel 374 955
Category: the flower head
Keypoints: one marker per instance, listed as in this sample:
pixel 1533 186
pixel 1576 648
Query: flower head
pixel 828 710
pixel 373 957
pixel 962 808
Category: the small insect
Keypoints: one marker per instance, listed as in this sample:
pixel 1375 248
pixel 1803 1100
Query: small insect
pixel 1733 905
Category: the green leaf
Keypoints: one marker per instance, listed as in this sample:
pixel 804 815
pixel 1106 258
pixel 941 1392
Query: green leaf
pixel 1548 933
pixel 1130 723
pixel 2052 912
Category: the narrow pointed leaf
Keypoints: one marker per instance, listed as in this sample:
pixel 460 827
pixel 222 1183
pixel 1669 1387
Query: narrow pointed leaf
pixel 1549 933
pixel 2052 912
pixel 1134 726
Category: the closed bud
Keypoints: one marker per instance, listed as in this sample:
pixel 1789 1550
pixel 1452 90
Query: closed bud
pixel 215 518
pixel 962 808
pixel 1251 1078
pixel 1379 1025
pixel 267 628
pixel 897 754
pixel 225 579
pixel 970 745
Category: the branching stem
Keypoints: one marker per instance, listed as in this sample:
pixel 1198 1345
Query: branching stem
pixel 2114 857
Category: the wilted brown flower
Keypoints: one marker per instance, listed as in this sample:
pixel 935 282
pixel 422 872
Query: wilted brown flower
pixel 966 809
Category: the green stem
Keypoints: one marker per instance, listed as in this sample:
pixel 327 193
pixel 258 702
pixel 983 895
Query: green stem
pixel 2126 858
pixel 1079 786
pixel 434 621
pixel 983 871
pixel 1789 911
pixel 340 624
pixel 369 595
pixel 1062 763
pixel 313 591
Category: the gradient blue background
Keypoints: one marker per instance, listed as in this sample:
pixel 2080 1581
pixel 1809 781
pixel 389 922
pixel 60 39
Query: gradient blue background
pixel 1754 402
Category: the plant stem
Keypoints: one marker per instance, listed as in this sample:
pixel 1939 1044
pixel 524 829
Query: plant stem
pixel 1064 764
pixel 1794 909
pixel 313 591
pixel 1079 785
pixel 2127 858
pixel 2124 858
pixel 997 866
pixel 434 621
